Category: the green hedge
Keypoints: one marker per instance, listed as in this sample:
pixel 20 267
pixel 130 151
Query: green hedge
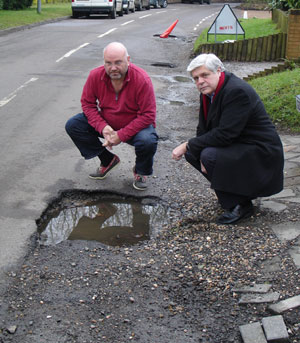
pixel 15 4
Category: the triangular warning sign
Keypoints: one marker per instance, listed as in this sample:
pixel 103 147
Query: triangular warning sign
pixel 226 23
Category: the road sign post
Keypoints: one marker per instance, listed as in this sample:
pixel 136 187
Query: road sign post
pixel 226 23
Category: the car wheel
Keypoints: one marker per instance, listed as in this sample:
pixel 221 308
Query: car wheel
pixel 113 13
pixel 165 4
pixel 75 14
pixel 121 12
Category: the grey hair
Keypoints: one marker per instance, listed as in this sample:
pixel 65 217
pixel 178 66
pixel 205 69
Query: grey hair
pixel 116 44
pixel 210 61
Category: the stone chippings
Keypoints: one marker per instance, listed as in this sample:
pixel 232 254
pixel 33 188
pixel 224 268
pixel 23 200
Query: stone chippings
pixel 178 287
pixel 175 288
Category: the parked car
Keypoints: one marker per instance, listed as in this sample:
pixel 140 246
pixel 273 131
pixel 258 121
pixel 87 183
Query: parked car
pixel 131 6
pixel 86 7
pixel 140 4
pixel 128 5
pixel 159 3
pixel 199 1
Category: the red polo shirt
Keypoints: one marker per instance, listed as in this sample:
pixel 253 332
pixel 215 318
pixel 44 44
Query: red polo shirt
pixel 129 111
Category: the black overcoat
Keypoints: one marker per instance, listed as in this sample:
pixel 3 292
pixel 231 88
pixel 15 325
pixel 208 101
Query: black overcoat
pixel 250 154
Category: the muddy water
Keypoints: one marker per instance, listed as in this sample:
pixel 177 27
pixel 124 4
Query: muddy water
pixel 114 222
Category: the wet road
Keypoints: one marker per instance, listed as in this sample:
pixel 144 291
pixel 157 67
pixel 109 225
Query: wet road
pixel 43 70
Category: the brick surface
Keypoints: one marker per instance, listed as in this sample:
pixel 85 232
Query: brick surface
pixel 275 329
pixel 256 288
pixel 252 333
pixel 285 305
pixel 256 299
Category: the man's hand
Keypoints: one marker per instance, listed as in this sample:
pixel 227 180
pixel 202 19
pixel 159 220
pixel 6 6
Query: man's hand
pixel 111 137
pixel 179 151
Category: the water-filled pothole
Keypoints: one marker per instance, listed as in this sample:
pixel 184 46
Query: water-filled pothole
pixel 163 64
pixel 112 220
pixel 182 79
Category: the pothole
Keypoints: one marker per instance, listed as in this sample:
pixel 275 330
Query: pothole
pixel 163 64
pixel 111 219
pixel 182 79
pixel 165 101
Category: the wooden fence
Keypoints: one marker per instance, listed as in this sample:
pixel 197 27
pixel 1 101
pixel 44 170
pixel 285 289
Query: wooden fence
pixel 281 18
pixel 268 48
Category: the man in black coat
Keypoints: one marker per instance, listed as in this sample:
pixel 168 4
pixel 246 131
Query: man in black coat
pixel 236 147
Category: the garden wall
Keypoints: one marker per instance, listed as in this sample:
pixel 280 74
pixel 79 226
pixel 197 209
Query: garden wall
pixel 293 35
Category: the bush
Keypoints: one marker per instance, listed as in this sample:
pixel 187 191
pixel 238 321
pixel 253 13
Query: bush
pixel 15 4
pixel 284 5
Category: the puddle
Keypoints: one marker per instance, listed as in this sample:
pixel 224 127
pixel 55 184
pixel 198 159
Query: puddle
pixel 177 103
pixel 163 64
pixel 182 79
pixel 170 102
pixel 112 221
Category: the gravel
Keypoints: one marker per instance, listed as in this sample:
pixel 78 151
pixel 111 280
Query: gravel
pixel 176 287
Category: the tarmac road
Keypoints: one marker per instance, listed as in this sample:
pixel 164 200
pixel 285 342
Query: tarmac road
pixel 51 292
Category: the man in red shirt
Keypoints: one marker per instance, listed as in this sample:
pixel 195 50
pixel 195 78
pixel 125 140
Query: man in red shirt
pixel 118 104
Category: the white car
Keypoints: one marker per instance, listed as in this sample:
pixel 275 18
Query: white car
pixel 86 7
pixel 128 5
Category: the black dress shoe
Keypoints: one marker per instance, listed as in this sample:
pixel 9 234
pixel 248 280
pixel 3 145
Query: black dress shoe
pixel 237 213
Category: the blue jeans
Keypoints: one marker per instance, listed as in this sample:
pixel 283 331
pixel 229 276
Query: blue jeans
pixel 86 138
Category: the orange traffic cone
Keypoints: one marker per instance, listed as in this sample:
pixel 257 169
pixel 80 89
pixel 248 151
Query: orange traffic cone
pixel 169 30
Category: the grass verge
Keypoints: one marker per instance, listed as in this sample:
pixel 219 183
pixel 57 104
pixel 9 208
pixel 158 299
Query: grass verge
pixel 9 19
pixel 278 93
pixel 253 28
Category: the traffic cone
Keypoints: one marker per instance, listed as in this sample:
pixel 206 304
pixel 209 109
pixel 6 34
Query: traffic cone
pixel 169 30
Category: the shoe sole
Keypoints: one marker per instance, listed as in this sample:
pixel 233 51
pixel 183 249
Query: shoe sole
pixel 245 216
pixel 103 177
pixel 137 188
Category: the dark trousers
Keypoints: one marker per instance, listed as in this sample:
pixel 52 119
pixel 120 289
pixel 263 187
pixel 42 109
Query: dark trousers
pixel 208 158
pixel 87 140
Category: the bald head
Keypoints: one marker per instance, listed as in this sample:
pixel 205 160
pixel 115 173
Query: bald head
pixel 115 48
pixel 116 60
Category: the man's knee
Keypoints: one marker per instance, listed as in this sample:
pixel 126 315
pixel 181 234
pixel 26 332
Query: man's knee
pixel 74 124
pixel 146 140
pixel 208 156
pixel 69 126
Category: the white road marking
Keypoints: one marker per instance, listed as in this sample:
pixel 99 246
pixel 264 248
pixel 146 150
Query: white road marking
pixel 68 54
pixel 13 94
pixel 107 33
pixel 145 16
pixel 203 20
pixel 127 22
